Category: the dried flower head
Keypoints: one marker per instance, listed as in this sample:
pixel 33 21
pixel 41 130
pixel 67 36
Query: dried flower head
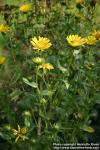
pixel 20 133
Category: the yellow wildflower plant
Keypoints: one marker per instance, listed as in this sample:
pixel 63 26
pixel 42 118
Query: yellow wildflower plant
pixel 46 66
pixel 96 34
pixel 90 40
pixel 75 40
pixel 2 59
pixel 40 43
pixel 25 8
pixel 38 60
pixel 20 133
pixel 4 28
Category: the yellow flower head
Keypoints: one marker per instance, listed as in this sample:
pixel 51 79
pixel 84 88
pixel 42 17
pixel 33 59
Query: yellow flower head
pixel 75 40
pixel 26 8
pixel 40 43
pixel 2 59
pixel 20 133
pixel 4 28
pixel 90 40
pixel 38 60
pixel 46 67
pixel 96 33
pixel 79 1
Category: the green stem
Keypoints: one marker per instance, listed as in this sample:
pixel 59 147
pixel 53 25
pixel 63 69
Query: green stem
pixel 39 94
pixel 34 118
pixel 39 123
pixel 44 79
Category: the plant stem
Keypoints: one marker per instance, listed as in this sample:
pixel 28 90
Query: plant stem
pixel 39 124
pixel 39 118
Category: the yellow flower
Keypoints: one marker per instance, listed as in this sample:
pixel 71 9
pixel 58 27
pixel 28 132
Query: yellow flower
pixel 4 28
pixel 75 40
pixel 46 67
pixel 90 40
pixel 20 133
pixel 26 8
pixel 38 60
pixel 79 1
pixel 2 59
pixel 96 33
pixel 40 43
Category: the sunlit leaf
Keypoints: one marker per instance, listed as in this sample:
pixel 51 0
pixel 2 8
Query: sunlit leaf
pixel 46 92
pixel 32 84
pixel 88 129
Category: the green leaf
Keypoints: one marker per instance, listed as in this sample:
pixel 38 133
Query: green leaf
pixel 97 98
pixel 2 42
pixel 88 129
pixel 46 92
pixel 66 83
pixel 32 84
pixel 61 68
pixel 15 95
